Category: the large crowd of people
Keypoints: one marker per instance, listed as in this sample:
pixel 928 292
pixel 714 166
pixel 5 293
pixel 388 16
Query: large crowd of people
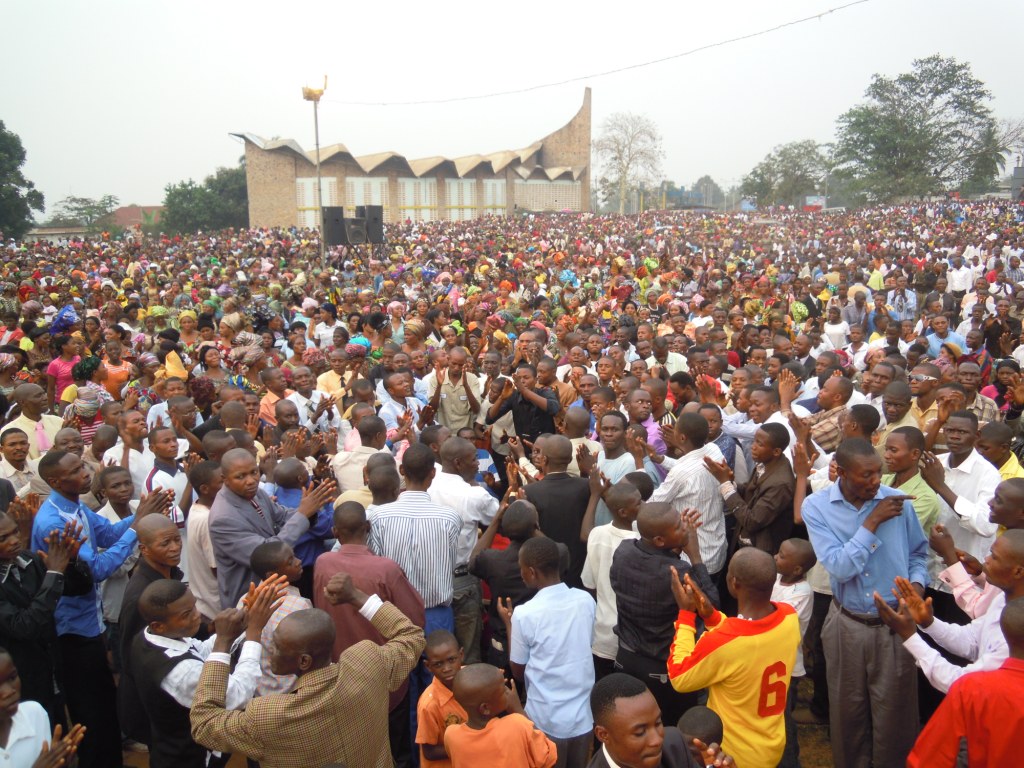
pixel 549 490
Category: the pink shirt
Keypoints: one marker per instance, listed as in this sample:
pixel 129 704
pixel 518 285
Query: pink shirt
pixel 973 596
pixel 60 369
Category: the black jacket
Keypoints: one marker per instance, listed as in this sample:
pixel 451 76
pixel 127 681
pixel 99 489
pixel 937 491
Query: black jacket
pixel 561 501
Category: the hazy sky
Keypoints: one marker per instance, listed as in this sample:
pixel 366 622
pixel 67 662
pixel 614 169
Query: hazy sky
pixel 124 97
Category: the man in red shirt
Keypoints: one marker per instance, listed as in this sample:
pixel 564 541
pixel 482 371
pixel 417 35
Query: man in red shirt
pixel 983 713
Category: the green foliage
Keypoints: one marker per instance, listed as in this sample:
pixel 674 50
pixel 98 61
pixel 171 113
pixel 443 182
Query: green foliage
pixel 18 195
pixel 921 133
pixel 221 201
pixel 787 174
pixel 83 212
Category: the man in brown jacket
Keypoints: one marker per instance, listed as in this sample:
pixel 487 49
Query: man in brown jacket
pixel 764 506
pixel 336 712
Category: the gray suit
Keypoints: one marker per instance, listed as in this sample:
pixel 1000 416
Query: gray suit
pixel 236 529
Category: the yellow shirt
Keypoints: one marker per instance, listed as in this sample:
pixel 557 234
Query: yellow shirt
pixel 1011 468
pixel 746 667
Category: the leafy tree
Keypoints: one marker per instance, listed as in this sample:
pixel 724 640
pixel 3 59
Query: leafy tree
pixel 221 201
pixel 787 174
pixel 83 212
pixel 18 195
pixel 923 132
pixel 708 192
pixel 629 150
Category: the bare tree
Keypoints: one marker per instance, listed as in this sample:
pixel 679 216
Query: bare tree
pixel 629 150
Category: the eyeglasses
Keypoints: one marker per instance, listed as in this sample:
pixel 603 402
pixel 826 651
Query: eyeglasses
pixel 919 377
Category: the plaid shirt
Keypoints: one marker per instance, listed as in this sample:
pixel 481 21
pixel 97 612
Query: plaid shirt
pixel 825 428
pixel 985 409
pixel 338 713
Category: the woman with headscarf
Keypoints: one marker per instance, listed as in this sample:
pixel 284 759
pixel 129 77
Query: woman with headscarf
pixel 188 330
pixel 89 373
pixel 9 365
pixel 85 411
pixel 396 313
pixel 211 366
pixel 144 387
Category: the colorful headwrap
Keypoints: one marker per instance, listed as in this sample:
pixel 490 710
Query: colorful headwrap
pixel 356 350
pixel 63 320
pixel 187 313
pixel 313 356
pixel 7 360
pixel 87 404
pixel 145 359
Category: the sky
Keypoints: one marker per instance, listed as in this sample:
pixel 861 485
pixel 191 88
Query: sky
pixel 122 98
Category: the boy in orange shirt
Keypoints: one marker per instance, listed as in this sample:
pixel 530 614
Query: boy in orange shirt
pixel 437 708
pixel 487 739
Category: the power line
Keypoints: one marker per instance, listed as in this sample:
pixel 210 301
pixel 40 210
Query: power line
pixel 594 75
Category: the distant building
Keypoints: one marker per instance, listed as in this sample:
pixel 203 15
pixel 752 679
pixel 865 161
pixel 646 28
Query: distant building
pixel 552 174
pixel 135 216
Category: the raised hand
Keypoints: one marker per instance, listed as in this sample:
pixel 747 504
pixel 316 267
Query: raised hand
pixel 920 609
pixel 902 623
pixel 331 441
pixel 260 609
pixel 313 499
pixel 156 503
pixel 718 469
pixel 704 607
pixel 252 425
pixel 585 459
pixel 670 437
pixel 599 484
pixel 229 623
pixel 59 751
pixel 131 400
pixel 932 471
pixel 941 541
pixel 340 589
pixel 505 609
pixel 801 461
pixel 290 445
pixel 713 755
pixel 516 448
pixel 685 600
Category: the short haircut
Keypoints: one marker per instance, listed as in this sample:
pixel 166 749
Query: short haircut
pixel 605 393
pixel 49 463
pixel 540 553
pixel 995 431
pixel 913 436
pixel 619 495
pixel 202 473
pixel 418 462
pixel 805 556
pixel 11 431
pixel 369 428
pixel 773 394
pixel 268 557
pixel 156 431
pixel 430 434
pixel 702 723
pixel 615 414
pixel 854 448
pixel 694 427
pixel 440 637
pixel 519 521
pixel 643 483
pixel 865 416
pixel 107 473
pixel 608 689
pixel 158 596
pixel 777 434
pixel 968 415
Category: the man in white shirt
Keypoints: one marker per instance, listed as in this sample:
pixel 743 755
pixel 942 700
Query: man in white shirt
pixel 314 413
pixel 670 362
pixel 15 465
pixel 476 508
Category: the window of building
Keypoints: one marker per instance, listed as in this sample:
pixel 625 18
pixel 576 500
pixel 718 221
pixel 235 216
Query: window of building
pixel 461 197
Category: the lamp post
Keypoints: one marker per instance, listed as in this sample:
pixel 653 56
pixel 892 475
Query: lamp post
pixel 314 94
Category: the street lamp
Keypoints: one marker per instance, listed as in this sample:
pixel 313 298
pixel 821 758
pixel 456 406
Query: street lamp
pixel 314 94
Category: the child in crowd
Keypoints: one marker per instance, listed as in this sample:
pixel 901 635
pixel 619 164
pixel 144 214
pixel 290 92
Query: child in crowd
pixel 116 486
pixel 206 478
pixel 701 724
pixel 487 738
pixel 623 500
pixel 167 661
pixel 275 563
pixel 437 708
pixel 643 483
pixel 487 473
pixel 793 560
pixel 291 476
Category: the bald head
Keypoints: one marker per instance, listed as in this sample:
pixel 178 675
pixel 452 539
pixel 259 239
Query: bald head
pixel 558 452
pixel 655 519
pixel 236 457
pixel 476 688
pixel 455 451
pixel 151 526
pixel 306 633
pixel 753 570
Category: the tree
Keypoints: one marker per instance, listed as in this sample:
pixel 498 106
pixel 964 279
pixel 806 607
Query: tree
pixel 83 212
pixel 18 195
pixel 787 174
pixel 923 132
pixel 629 150
pixel 220 202
pixel 708 191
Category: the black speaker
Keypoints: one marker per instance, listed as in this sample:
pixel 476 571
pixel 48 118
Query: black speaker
pixel 334 225
pixel 374 215
pixel 355 232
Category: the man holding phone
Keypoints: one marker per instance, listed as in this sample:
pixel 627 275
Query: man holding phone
pixel 866 535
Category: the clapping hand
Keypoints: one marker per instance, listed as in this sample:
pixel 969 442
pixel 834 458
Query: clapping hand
pixel 585 459
pixel 713 755
pixel 599 484
pixel 58 751
pixel 902 622
pixel 62 547
pixel 920 609
pixel 718 469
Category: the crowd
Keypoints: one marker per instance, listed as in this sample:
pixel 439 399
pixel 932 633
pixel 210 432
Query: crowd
pixel 564 490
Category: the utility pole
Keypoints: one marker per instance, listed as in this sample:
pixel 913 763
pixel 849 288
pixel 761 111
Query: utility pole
pixel 314 94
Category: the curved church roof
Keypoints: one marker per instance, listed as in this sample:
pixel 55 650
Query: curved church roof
pixel 526 161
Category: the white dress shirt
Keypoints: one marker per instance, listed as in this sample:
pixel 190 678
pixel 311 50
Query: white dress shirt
pixel 30 727
pixel 473 504
pixel 307 407
pixel 974 483
pixel 181 682
pixel 981 642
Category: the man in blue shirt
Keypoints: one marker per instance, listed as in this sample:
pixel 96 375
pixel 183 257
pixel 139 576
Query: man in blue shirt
pixel 87 682
pixel 865 535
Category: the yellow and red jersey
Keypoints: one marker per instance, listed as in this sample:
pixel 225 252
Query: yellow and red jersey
pixel 746 667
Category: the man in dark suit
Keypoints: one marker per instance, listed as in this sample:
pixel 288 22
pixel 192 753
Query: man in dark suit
pixel 561 501
pixel 802 353
pixel 621 706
